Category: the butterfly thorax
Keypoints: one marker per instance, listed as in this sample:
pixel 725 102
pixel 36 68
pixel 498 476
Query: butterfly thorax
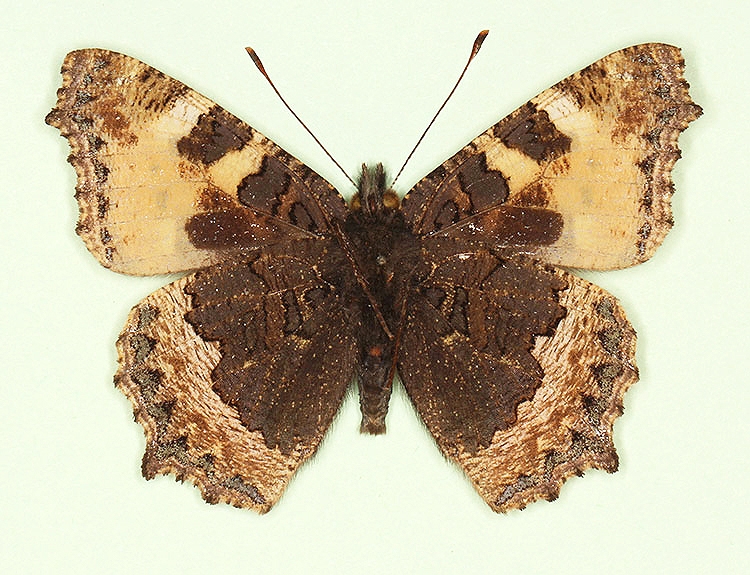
pixel 376 229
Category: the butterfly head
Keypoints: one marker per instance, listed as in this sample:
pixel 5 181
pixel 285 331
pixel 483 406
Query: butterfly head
pixel 373 196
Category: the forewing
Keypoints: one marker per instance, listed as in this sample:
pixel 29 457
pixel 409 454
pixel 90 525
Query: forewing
pixel 168 180
pixel 541 404
pixel 235 373
pixel 583 169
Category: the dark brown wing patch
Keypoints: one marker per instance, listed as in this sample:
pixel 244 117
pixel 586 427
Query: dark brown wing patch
pixel 214 135
pixel 531 131
pixel 288 345
pixel 274 187
pixel 447 196
pixel 465 357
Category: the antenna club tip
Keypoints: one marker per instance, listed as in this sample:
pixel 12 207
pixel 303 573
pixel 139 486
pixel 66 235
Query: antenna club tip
pixel 478 42
pixel 256 60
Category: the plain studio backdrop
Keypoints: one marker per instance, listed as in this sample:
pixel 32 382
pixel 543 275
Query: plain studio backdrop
pixel 366 77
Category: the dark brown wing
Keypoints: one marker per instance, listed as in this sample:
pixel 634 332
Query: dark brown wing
pixel 518 371
pixel 168 180
pixel 236 372
pixel 584 168
pixel 465 356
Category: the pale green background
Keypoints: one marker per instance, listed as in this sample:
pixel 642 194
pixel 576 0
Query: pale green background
pixel 367 76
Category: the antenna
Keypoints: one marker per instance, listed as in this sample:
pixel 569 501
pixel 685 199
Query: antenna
pixel 259 65
pixel 474 50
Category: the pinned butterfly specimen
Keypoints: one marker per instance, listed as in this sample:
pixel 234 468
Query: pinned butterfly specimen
pixel 516 367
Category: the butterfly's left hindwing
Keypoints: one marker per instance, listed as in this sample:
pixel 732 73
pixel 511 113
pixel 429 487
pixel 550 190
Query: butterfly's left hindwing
pixel 169 352
pixel 287 340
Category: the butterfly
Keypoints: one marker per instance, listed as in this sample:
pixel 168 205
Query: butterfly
pixel 516 366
